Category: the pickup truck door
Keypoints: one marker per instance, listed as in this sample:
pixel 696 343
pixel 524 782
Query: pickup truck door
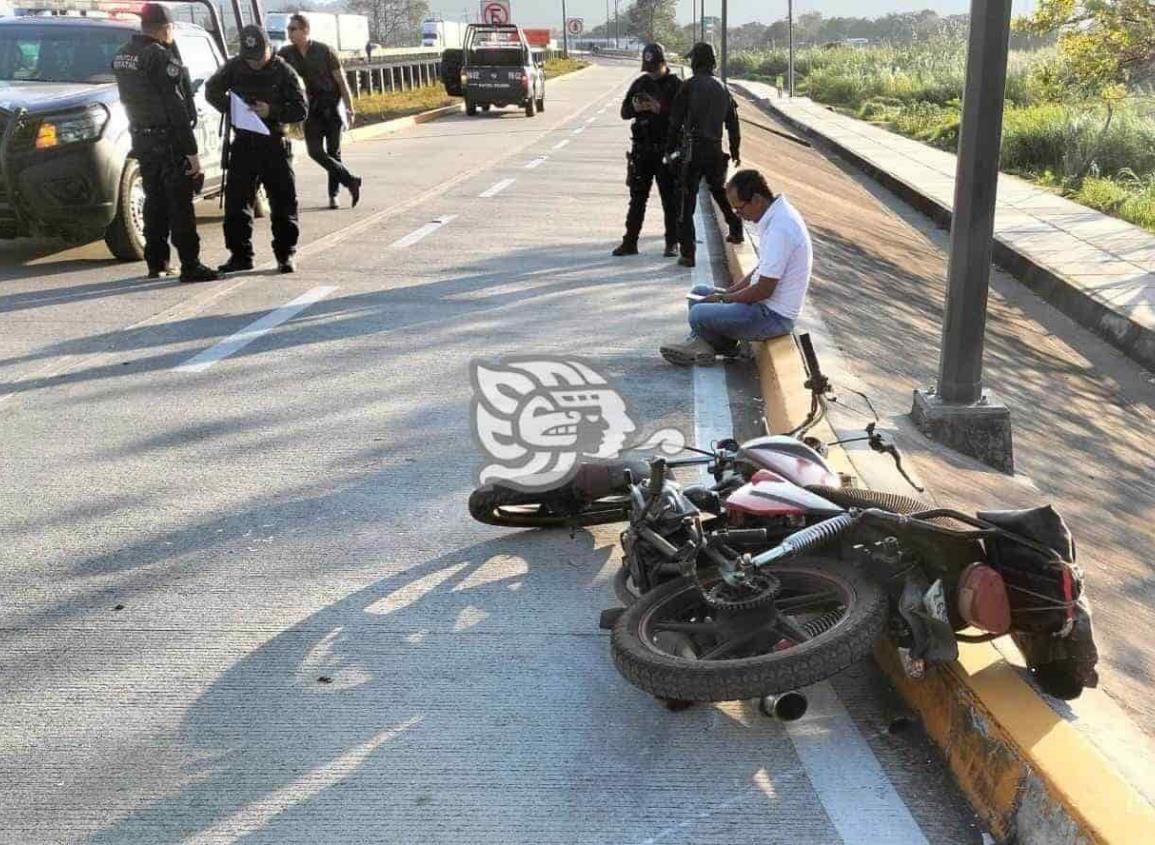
pixel 202 59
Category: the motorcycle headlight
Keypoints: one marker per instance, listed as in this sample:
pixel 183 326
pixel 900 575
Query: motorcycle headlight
pixel 71 127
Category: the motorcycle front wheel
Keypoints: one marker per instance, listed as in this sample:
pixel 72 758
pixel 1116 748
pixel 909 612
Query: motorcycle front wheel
pixel 672 644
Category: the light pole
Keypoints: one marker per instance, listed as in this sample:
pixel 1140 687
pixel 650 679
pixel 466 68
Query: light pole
pixel 723 42
pixel 790 34
pixel 958 412
pixel 617 27
pixel 564 32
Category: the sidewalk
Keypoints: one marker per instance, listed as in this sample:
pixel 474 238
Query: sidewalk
pixel 1095 268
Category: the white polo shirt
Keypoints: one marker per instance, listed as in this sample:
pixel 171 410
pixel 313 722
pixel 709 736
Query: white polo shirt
pixel 785 253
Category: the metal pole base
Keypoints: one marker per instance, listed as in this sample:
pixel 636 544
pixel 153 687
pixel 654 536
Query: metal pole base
pixel 981 430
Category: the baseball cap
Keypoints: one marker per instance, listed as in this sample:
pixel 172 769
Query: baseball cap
pixel 253 42
pixel 154 14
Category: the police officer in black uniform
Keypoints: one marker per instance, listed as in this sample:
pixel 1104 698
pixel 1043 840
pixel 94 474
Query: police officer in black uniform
pixel 157 95
pixel 702 107
pixel 273 91
pixel 648 104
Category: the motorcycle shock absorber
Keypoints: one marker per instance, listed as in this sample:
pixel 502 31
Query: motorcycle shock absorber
pixel 807 539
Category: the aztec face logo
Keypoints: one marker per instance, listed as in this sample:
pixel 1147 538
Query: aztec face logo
pixel 537 418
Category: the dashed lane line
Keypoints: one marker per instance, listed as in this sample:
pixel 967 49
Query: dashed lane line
pixel 859 799
pixel 239 340
pixel 537 162
pixel 421 233
pixel 564 142
pixel 496 188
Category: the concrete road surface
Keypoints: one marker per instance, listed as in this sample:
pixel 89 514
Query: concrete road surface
pixel 241 600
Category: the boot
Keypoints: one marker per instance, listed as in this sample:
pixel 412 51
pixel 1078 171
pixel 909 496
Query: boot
pixel 691 352
pixel 355 190
pixel 287 264
pixel 671 250
pixel 198 273
pixel 737 234
pixel 626 247
pixel 236 264
pixel 686 261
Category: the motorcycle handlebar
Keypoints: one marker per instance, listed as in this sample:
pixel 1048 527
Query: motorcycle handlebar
pixel 809 356
pixel 657 477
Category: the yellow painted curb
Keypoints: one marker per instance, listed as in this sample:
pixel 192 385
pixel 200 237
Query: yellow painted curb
pixel 1029 774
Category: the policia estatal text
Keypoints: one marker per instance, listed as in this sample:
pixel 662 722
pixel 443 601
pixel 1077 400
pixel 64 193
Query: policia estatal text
pixel 703 106
pixel 275 94
pixel 648 104
pixel 157 95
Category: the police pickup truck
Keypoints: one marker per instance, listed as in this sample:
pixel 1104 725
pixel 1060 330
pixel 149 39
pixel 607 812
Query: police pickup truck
pixel 497 67
pixel 65 168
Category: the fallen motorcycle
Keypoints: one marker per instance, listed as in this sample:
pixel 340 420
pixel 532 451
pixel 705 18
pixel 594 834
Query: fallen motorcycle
pixel 713 621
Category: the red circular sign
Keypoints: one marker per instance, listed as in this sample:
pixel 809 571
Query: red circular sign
pixel 495 13
pixel 575 26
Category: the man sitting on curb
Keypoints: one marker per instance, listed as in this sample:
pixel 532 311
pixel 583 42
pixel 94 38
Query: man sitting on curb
pixel 766 303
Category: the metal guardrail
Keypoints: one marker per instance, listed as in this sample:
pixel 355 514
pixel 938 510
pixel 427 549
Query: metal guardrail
pixel 403 69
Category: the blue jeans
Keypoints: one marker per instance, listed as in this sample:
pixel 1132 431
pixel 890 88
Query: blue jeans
pixel 722 325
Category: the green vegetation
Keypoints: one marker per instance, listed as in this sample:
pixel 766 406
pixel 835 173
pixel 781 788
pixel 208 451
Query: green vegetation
pixel 376 108
pixel 559 67
pixel 1068 125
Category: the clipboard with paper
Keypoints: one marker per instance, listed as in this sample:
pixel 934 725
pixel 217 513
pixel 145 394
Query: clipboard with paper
pixel 242 116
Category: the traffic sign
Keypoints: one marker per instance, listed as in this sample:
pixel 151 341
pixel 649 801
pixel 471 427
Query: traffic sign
pixel 575 26
pixel 495 11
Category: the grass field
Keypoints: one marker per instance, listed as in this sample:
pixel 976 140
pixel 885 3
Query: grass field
pixel 1064 143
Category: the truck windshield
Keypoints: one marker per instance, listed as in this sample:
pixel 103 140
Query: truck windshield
pixel 59 54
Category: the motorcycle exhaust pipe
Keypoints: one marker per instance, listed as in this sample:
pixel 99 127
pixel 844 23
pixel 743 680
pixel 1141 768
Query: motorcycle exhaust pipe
pixel 787 707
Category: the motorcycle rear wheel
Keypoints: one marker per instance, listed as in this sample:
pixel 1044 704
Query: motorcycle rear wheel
pixel 496 504
pixel 696 665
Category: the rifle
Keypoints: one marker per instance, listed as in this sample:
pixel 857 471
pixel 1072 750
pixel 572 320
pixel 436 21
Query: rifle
pixel 225 150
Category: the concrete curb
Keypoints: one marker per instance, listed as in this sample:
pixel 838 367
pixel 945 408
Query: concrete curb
pixel 388 127
pixel 1031 776
pixel 1132 338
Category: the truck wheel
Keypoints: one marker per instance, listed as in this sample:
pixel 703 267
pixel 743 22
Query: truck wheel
pixel 470 107
pixel 530 107
pixel 125 234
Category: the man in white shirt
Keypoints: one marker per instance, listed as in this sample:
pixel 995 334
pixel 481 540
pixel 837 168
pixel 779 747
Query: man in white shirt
pixel 767 302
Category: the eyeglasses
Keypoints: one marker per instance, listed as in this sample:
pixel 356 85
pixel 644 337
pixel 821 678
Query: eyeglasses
pixel 738 206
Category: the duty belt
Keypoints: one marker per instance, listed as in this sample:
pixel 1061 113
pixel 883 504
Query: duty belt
pixel 151 131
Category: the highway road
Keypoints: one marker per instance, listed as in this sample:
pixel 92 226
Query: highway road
pixel 241 599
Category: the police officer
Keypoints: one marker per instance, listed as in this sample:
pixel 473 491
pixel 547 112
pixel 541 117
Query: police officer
pixel 648 104
pixel 702 107
pixel 271 89
pixel 325 84
pixel 157 95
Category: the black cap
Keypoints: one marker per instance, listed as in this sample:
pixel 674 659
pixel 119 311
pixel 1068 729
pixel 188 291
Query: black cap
pixel 653 57
pixel 701 55
pixel 154 14
pixel 253 42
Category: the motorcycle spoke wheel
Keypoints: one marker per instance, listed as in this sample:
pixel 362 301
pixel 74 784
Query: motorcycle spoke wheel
pixel 834 615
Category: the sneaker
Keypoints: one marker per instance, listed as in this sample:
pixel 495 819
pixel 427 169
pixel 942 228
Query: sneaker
pixel 686 261
pixel 626 247
pixel 333 202
pixel 737 235
pixel 287 265
pixel 671 251
pixel 692 352
pixel 198 273
pixel 236 265
pixel 160 272
pixel 355 190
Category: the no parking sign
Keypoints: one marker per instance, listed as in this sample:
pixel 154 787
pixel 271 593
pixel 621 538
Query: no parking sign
pixel 575 26
pixel 495 11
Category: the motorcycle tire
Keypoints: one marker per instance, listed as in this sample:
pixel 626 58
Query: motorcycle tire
pixel 507 507
pixel 638 654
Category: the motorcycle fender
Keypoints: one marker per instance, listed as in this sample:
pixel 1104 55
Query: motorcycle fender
pixel 768 497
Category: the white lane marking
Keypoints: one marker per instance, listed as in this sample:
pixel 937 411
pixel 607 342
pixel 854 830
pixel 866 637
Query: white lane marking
pixel 579 130
pixel 496 188
pixel 562 143
pixel 590 120
pixel 537 162
pixel 416 235
pixel 203 360
pixel 712 419
pixel 854 790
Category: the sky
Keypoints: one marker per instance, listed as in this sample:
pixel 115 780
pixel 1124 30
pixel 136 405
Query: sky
pixel 548 12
